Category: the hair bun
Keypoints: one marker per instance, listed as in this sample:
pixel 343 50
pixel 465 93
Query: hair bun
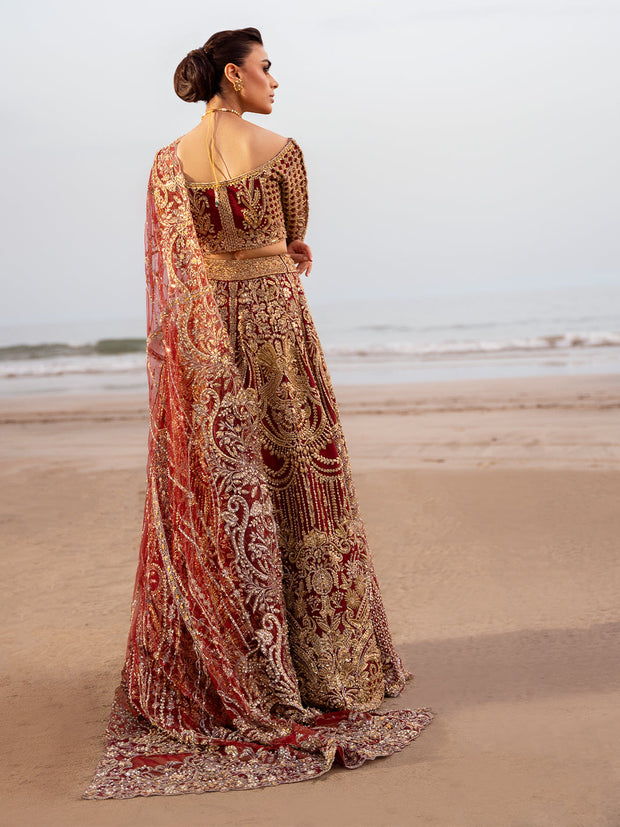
pixel 198 77
pixel 194 77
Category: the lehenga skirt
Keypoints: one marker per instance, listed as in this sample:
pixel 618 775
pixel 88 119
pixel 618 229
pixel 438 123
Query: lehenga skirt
pixel 338 632
pixel 334 624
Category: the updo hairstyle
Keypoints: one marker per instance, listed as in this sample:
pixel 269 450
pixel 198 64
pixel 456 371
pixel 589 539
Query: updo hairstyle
pixel 198 77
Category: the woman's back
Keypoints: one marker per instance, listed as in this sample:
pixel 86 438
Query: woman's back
pixel 239 147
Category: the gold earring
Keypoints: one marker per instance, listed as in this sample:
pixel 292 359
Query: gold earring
pixel 237 85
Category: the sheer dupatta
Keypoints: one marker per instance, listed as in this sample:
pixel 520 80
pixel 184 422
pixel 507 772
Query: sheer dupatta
pixel 209 697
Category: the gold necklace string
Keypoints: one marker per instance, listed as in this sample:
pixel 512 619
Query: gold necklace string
pixel 211 146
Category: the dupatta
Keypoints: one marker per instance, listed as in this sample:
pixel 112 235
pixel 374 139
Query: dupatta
pixel 209 698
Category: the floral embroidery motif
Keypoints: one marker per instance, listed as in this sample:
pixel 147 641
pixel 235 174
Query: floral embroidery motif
pixel 328 580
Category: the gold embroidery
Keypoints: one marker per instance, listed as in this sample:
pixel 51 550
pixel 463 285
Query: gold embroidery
pixel 267 205
pixel 328 579
pixel 242 269
pixel 127 768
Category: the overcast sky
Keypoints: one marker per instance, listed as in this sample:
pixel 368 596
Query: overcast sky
pixel 451 145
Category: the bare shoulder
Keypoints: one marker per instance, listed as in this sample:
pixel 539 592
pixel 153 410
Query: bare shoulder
pixel 241 146
pixel 189 140
pixel 264 143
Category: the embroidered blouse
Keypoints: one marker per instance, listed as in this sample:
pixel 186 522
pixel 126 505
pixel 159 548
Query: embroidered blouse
pixel 266 205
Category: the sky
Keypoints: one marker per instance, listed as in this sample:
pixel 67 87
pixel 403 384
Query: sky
pixel 451 145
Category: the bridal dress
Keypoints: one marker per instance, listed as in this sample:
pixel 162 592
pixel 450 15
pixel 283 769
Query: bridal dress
pixel 258 648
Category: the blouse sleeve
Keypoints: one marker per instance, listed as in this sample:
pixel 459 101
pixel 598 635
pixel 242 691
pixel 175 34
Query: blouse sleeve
pixel 294 193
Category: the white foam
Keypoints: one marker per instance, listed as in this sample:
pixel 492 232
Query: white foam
pixel 121 363
pixel 564 341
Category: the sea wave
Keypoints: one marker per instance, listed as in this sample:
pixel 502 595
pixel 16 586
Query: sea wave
pixel 123 363
pixel 552 342
pixel 114 356
pixel 48 350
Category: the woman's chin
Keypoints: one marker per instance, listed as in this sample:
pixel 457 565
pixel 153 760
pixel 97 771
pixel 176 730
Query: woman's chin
pixel 266 109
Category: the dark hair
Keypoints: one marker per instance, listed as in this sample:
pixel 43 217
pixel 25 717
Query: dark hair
pixel 199 75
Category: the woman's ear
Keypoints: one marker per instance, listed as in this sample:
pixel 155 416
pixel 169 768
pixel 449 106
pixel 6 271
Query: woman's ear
pixel 231 72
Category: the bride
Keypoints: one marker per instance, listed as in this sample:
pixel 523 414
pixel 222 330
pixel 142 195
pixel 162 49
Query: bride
pixel 258 648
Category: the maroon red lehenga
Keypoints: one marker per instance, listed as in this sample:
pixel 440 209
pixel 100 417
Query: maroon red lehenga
pixel 258 649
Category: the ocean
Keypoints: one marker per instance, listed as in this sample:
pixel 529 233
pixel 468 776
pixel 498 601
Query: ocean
pixel 533 332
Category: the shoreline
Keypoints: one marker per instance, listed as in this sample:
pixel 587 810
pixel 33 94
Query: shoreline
pixel 126 373
pixel 551 422
pixel 556 385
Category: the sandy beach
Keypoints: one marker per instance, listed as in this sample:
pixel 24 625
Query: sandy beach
pixel 493 511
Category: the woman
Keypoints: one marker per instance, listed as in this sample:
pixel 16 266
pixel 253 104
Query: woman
pixel 258 645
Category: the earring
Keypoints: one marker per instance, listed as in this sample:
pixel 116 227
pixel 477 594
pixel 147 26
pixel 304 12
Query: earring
pixel 237 85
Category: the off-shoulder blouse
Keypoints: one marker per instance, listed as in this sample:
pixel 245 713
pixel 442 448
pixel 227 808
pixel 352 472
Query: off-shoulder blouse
pixel 265 205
